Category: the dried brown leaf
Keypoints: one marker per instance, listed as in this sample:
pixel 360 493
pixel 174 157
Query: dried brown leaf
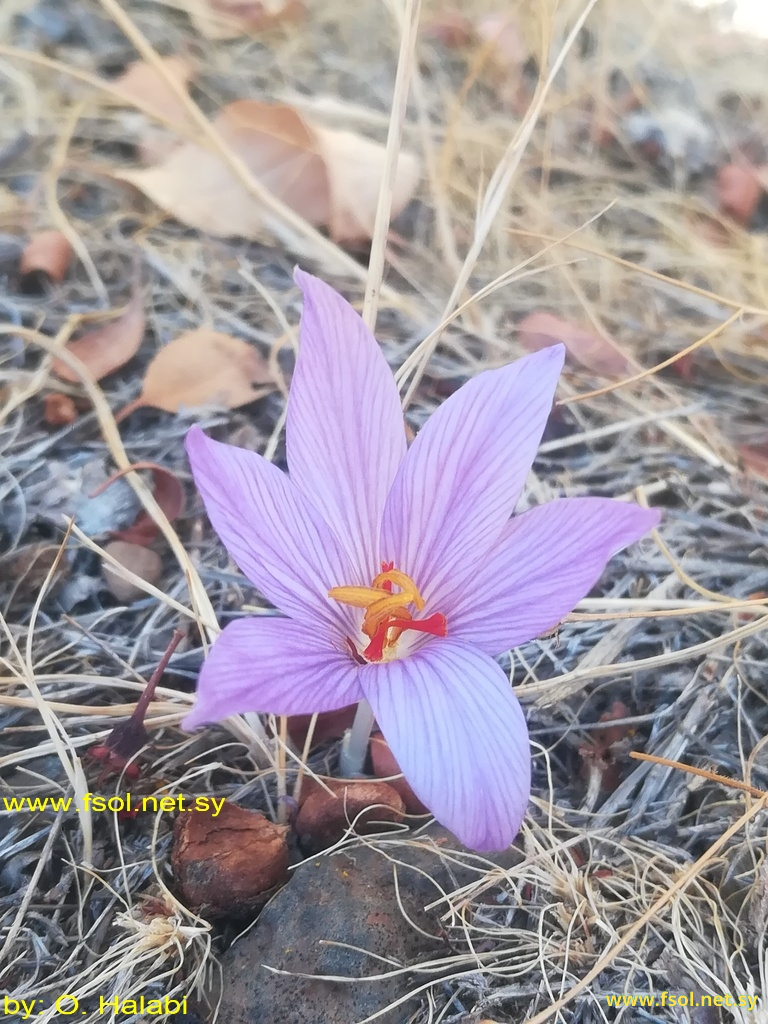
pixel 539 330
pixel 107 348
pixel 168 492
pixel 141 81
pixel 49 253
pixel 354 166
pixel 227 19
pixel 603 752
pixel 330 177
pixel 203 368
pixel 329 725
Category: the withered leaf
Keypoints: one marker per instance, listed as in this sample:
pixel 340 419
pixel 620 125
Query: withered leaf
pixel 539 330
pixel 330 177
pixel 105 349
pixel 142 81
pixel 168 492
pixel 203 368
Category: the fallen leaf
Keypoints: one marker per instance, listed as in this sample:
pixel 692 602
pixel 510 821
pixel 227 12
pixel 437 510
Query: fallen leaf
pixel 202 368
pixel 540 330
pixel 142 81
pixel 227 19
pixel 330 177
pixel 107 348
pixel 140 560
pixel 49 253
pixel 738 191
pixel 168 492
pixel 28 567
pixel 230 864
pixel 59 410
pixel 354 166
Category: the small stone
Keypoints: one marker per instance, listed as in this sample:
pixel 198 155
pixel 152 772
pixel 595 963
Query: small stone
pixel 228 865
pixel 140 560
pixel 324 816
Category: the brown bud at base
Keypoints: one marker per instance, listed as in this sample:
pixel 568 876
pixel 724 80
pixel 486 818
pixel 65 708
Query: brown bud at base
pixel 325 816
pixel 230 864
pixel 384 765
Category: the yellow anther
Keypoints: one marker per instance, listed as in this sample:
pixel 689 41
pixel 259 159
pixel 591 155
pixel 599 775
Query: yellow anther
pixel 406 584
pixel 358 597
pixel 382 606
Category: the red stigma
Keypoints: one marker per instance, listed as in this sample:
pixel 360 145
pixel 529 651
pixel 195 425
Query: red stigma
pixel 388 613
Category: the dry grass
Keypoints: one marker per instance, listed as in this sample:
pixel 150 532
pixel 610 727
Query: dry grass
pixel 658 883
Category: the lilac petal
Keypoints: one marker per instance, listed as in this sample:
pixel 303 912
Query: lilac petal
pixel 270 530
pixel 546 561
pixel 463 474
pixel 345 435
pixel 275 666
pixel 458 733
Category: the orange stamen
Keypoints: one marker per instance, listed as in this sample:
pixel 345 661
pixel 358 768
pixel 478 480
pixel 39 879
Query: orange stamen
pixel 386 612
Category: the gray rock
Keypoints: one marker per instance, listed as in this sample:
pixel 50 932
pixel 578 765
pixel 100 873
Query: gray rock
pixel 348 898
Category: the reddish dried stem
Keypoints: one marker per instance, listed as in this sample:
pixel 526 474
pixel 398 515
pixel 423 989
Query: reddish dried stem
pixel 149 690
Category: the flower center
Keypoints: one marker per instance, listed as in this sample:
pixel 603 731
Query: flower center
pixel 387 613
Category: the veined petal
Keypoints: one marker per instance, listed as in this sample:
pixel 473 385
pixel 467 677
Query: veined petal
pixel 275 666
pixel 270 529
pixel 345 436
pixel 463 475
pixel 546 561
pixel 458 733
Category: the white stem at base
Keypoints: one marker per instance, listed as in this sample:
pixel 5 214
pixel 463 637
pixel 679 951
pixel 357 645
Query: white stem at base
pixel 354 746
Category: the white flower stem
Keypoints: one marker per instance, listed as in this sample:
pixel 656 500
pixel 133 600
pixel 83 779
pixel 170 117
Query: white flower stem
pixel 354 746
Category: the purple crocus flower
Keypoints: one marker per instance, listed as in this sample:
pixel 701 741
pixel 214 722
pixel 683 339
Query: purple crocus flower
pixel 400 572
